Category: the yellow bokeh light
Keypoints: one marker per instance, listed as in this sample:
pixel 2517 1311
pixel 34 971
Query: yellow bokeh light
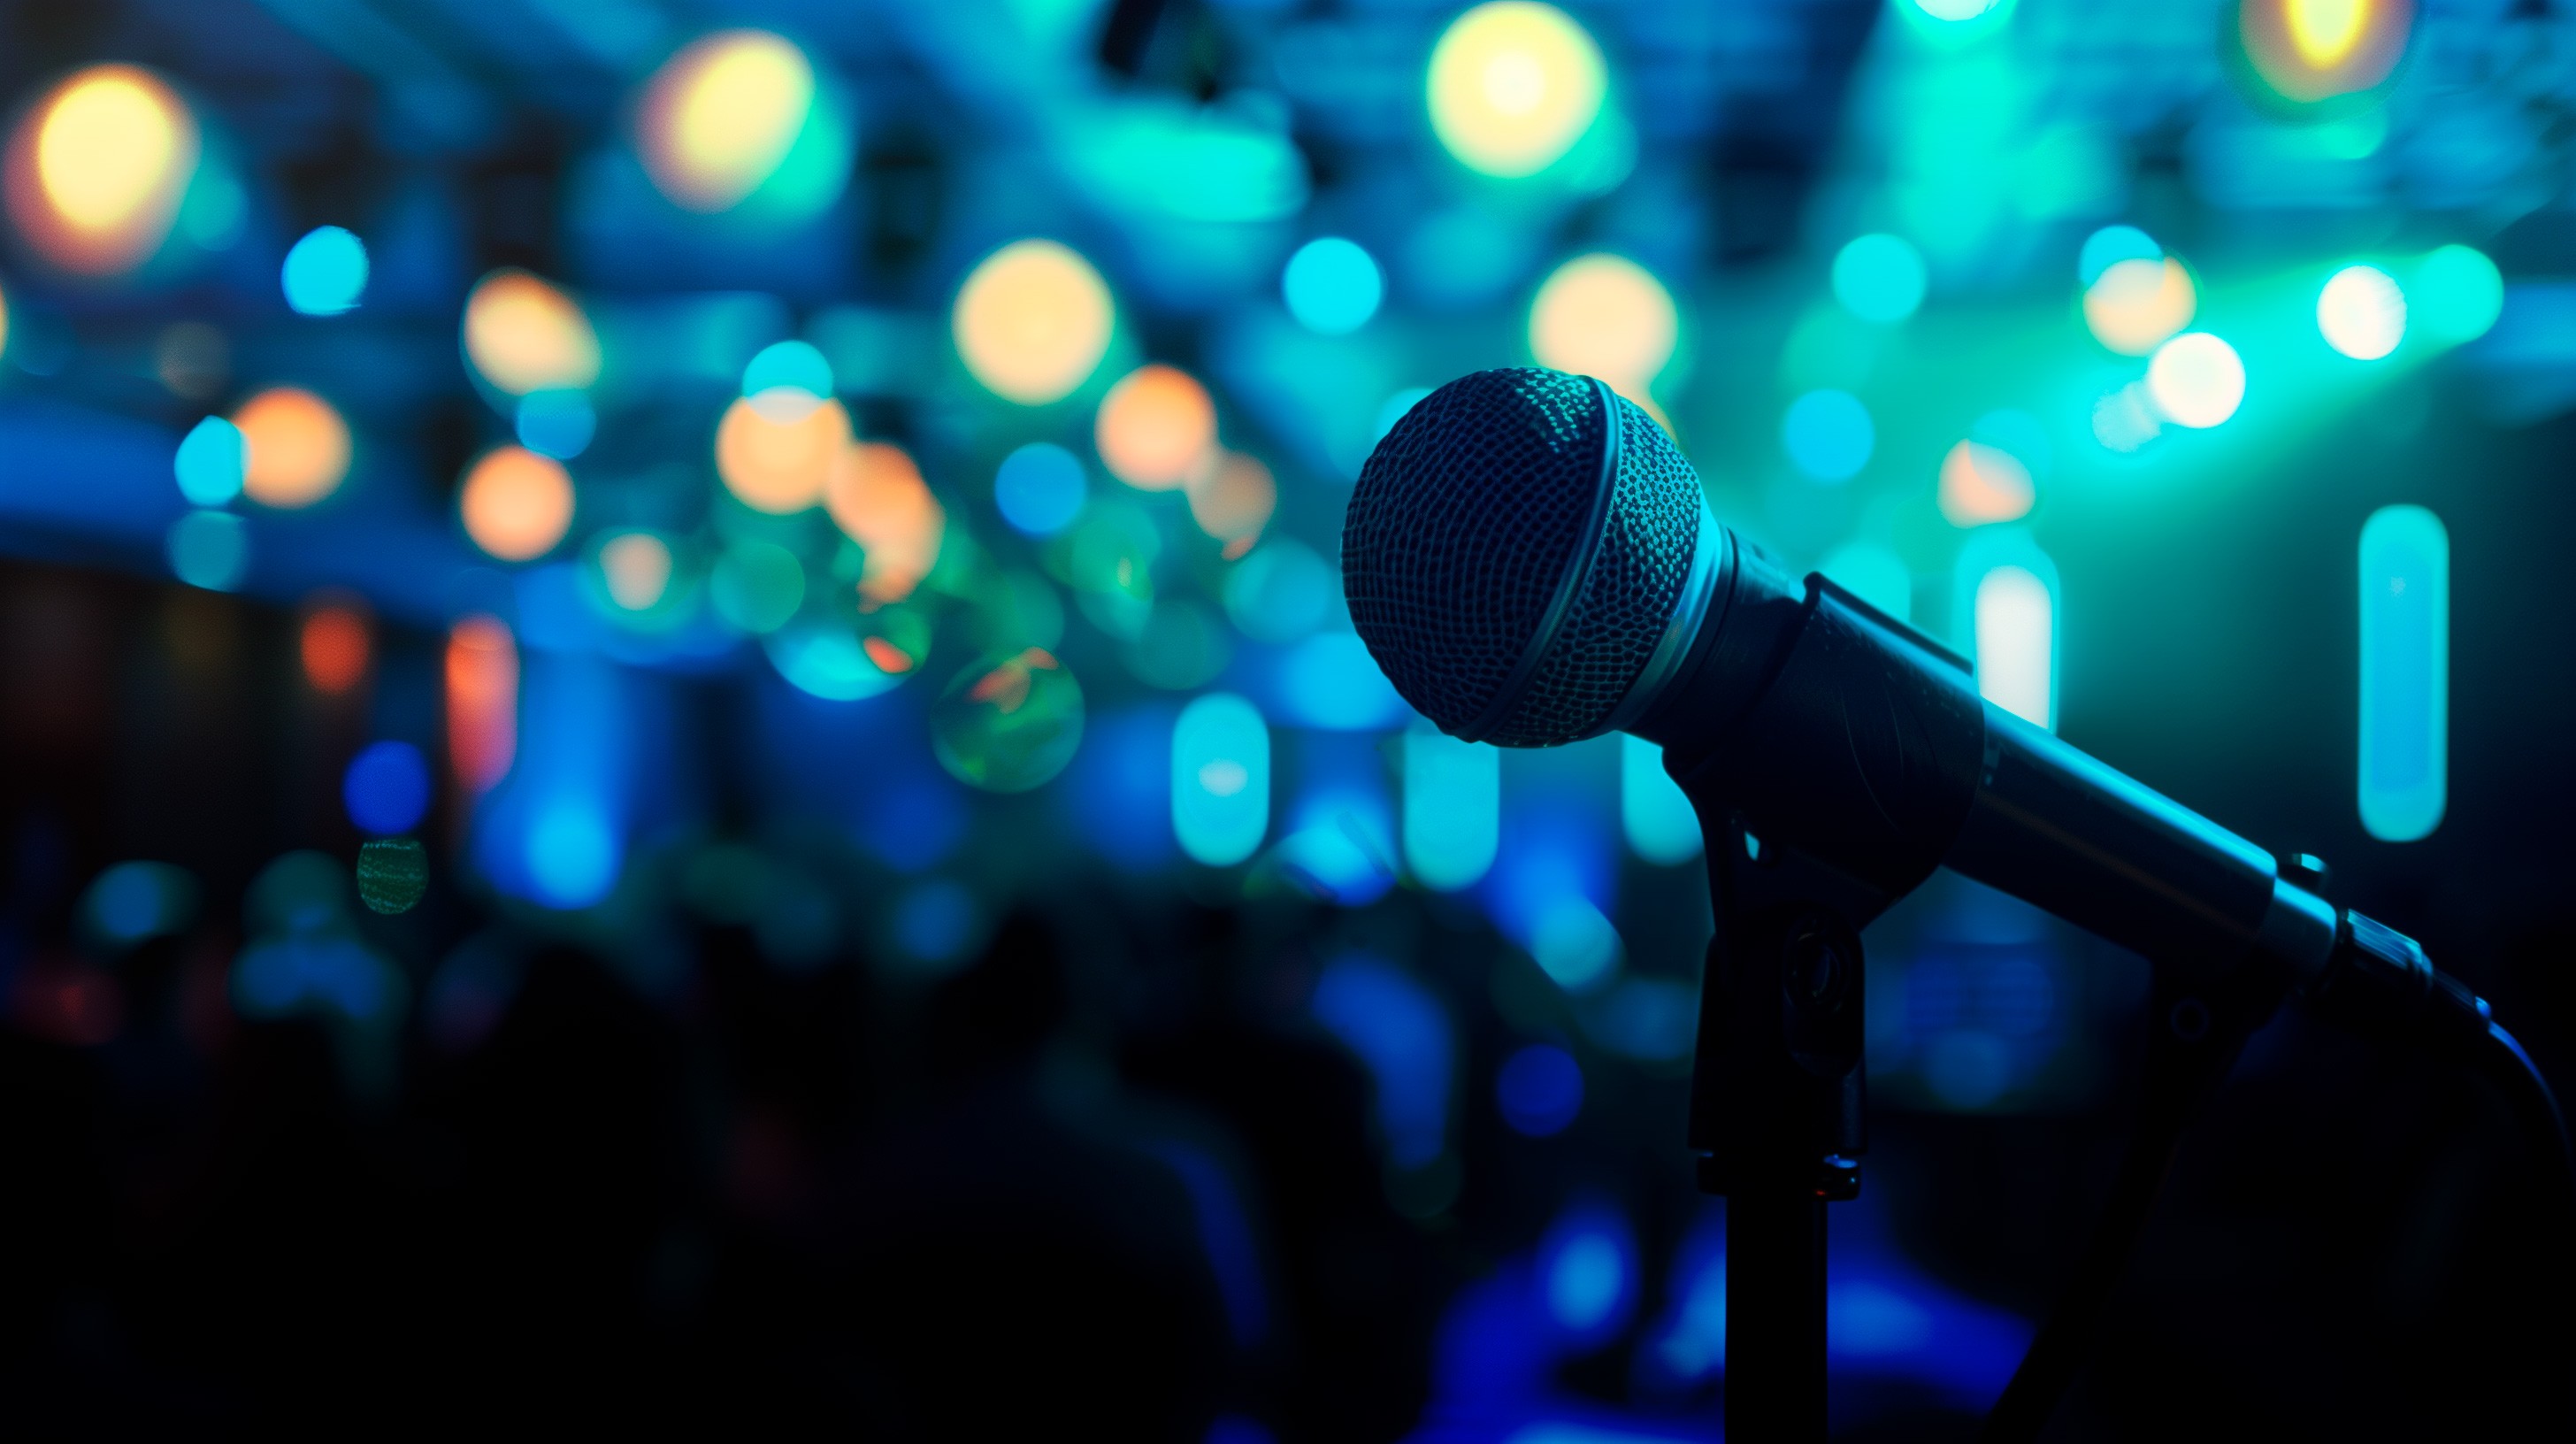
pixel 776 453
pixel 637 569
pixel 2313 50
pixel 1513 85
pixel 2135 304
pixel 1032 321
pixel 295 447
pixel 97 168
pixel 524 335
pixel 719 117
pixel 516 504
pixel 2325 31
pixel 1982 484
pixel 1605 316
pixel 1233 500
pixel 1157 428
pixel 878 499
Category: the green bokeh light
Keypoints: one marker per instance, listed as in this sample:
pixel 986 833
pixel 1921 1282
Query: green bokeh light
pixel 1008 723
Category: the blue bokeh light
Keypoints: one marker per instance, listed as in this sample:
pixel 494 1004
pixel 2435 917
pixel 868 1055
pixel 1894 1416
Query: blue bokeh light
pixel 559 424
pixel 1828 435
pixel 209 462
pixel 386 788
pixel 934 921
pixel 209 549
pixel 325 273
pixel 1330 681
pixel 1040 488
pixel 1401 1033
pixel 1332 286
pixel 1540 1089
pixel 572 856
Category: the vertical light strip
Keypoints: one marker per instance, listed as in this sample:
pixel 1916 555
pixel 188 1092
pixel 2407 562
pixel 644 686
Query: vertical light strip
pixel 2405 672
pixel 2017 644
pixel 1220 779
pixel 482 702
pixel 1660 823
pixel 1453 805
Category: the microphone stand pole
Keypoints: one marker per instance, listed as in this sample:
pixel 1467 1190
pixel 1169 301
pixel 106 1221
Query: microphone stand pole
pixel 1776 1103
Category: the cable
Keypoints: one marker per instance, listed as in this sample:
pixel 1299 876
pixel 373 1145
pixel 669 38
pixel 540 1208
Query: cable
pixel 2501 1061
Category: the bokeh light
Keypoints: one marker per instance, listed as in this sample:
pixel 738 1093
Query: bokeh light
pixel 757 585
pixel 1828 435
pixel 1156 428
pixel 2313 50
pixel 325 273
pixel 559 424
pixel 393 874
pixel 1540 1090
pixel 1232 502
pixel 516 504
pixel 1279 593
pixel 386 789
pixel 523 334
pixel 2135 304
pixel 209 462
pixel 482 668
pixel 1879 278
pixel 1605 316
pixel 776 451
pixel 2111 245
pixel 1010 723
pixel 1513 85
pixel 2015 627
pixel 878 499
pixel 1032 321
pixel 1332 286
pixel 1220 763
pixel 1875 574
pixel 827 661
pixel 1040 488
pixel 1982 484
pixel 295 447
pixel 2458 294
pixel 2196 380
pixel 719 118
pixel 2362 313
pixel 792 364
pixel 635 569
pixel 97 168
pixel 209 549
pixel 335 647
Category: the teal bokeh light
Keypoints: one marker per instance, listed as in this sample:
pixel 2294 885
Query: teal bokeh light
pixel 209 462
pixel 326 272
pixel 1828 435
pixel 2457 295
pixel 792 364
pixel 1879 278
pixel 2110 246
pixel 209 549
pixel 1332 286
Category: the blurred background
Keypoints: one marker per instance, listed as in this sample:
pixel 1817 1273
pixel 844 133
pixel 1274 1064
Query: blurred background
pixel 678 745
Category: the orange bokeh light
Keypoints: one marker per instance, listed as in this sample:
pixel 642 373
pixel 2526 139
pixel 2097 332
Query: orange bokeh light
pixel 97 166
pixel 1232 501
pixel 776 456
pixel 516 504
pixel 524 334
pixel 1157 428
pixel 877 498
pixel 295 447
pixel 1982 484
pixel 335 648
pixel 482 701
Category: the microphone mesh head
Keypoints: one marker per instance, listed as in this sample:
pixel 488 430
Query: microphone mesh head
pixel 1464 525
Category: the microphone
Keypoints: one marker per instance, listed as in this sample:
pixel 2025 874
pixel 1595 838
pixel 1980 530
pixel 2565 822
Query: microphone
pixel 1532 562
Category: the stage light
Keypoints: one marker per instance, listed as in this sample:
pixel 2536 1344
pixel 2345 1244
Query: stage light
pixel 523 335
pixel 877 498
pixel 1879 278
pixel 776 453
pixel 1332 286
pixel 482 667
pixel 559 424
pixel 386 789
pixel 635 567
pixel 295 447
pixel 2405 672
pixel 1983 484
pixel 1032 322
pixel 2313 50
pixel 1040 488
pixel 1232 502
pixel 209 549
pixel 1656 817
pixel 1008 723
pixel 1513 85
pixel 720 117
pixel 2196 380
pixel 97 168
pixel 2016 646
pixel 209 463
pixel 516 504
pixel 1828 435
pixel 2111 245
pixel 1539 1090
pixel 1156 428
pixel 325 273
pixel 757 586
pixel 1453 795
pixel 1874 574
pixel 1220 779
pixel 795 365
pixel 334 647
pixel 2135 304
pixel 1606 316
pixel 2362 313
pixel 2458 294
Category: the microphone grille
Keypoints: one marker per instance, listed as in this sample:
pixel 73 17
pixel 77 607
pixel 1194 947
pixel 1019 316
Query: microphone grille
pixel 1462 529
